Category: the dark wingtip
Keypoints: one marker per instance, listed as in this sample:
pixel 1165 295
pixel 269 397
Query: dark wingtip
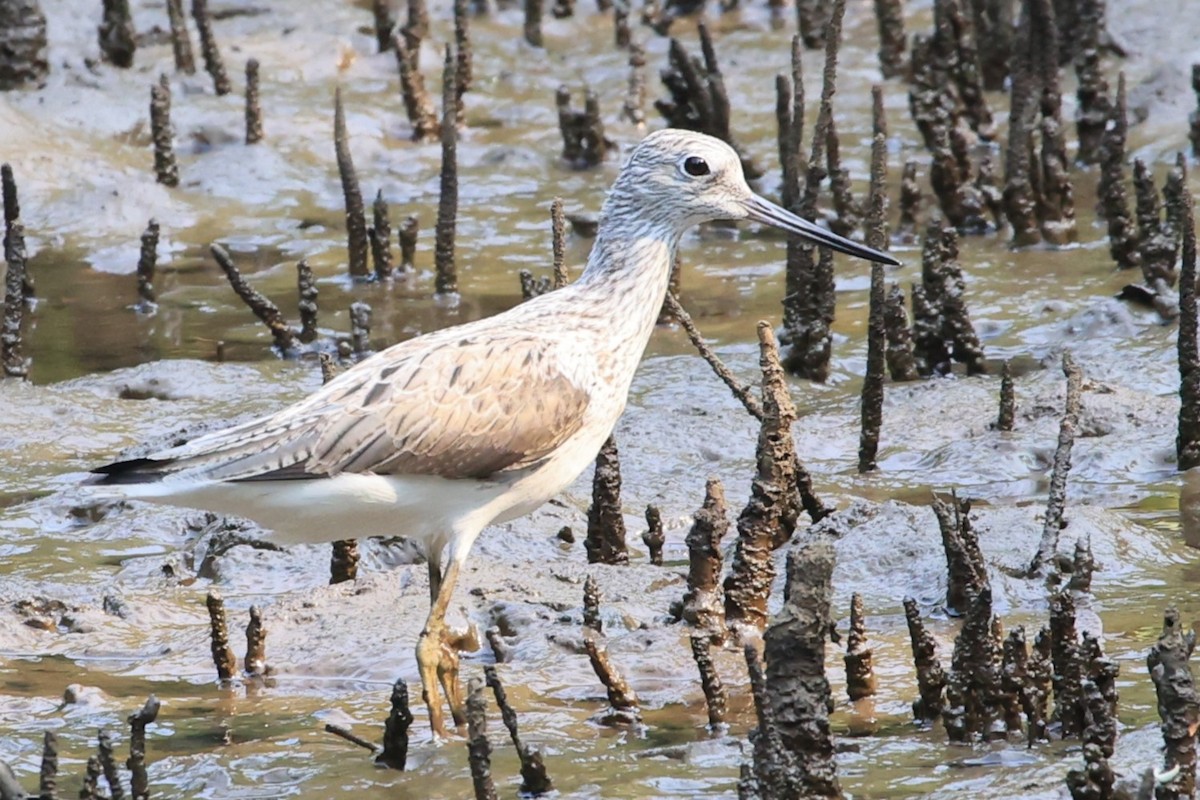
pixel 135 470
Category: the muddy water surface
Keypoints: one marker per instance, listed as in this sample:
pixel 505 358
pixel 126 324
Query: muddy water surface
pixel 116 596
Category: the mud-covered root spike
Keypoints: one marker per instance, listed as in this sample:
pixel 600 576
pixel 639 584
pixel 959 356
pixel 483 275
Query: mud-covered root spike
pixel 605 542
pixel 360 330
pixel 585 144
pixel 385 24
pixel 1014 664
pixel 973 694
pixel 703 603
pixel 558 243
pixel 797 689
pixel 860 669
pixel 479 750
pixel 1056 503
pixel 208 48
pixel 966 570
pixel 931 677
pixel 417 104
pixel 147 260
pixel 1008 399
pixel 654 538
pixel 48 775
pixel 591 605
pixel 634 108
pixel 407 236
pixel 902 365
pixel 255 663
pixel 710 682
pixel 356 215
pixel 1114 202
pixel 162 132
pixel 533 22
pixel 910 205
pixel 181 43
pixel 893 61
pixel 222 653
pixel 108 763
pixel 535 780
pixel 394 754
pixel 1178 704
pixel 306 287
pixel 139 781
pixel 446 282
pixel 623 701
pixel 876 236
pixel 380 236
pixel 1187 441
pixel 1096 779
pixel 1069 668
pixel 1194 117
pixel 264 309
pixel 254 125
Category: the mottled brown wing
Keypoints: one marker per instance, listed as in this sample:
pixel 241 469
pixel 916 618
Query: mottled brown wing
pixel 468 408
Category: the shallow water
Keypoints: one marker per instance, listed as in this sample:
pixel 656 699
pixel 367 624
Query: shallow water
pixel 79 147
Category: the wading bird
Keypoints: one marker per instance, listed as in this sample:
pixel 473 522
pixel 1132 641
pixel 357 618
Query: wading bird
pixel 440 436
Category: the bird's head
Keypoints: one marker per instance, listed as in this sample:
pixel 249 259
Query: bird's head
pixel 679 178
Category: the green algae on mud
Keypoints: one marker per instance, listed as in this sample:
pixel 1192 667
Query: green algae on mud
pixel 80 151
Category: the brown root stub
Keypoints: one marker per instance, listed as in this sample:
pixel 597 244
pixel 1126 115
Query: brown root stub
pixel 605 542
pixel 1014 665
pixel 343 564
pixel 417 104
pixel 446 282
pixel 534 779
pixel 1157 240
pixel 654 538
pixel 1187 440
pixel 394 754
pixel 849 213
pixel 1056 504
pixel 162 132
pixel 356 215
pixel 256 645
pixel 1008 399
pixel 222 653
pixel 930 675
pixel 813 21
pixel 798 692
pixel 1102 672
pixel 966 569
pixel 739 389
pixel 942 327
pixel 698 98
pixel 22 44
pixel 591 605
pixel 1178 705
pixel 910 204
pixel 118 38
pixel 769 518
pixel 479 750
pixel 385 23
pixel 774 772
pixel 533 23
pixel 1020 200
pixel 710 682
pixel 264 309
pixel 418 19
pixel 973 693
pixel 532 287
pixel 139 781
pixel 181 43
pixel 902 365
pixel 584 143
pixel 407 235
pixel 208 47
pixel 703 603
pixel 147 259
pixel 91 780
pixel 254 126
pixel 860 669
pixel 1056 206
pixel 621 697
pixel 1067 659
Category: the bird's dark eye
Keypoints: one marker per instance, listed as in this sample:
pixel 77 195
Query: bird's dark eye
pixel 695 166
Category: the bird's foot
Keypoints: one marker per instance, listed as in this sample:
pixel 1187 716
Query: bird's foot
pixel 453 644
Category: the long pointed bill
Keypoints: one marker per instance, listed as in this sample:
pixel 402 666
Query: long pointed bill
pixel 768 213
